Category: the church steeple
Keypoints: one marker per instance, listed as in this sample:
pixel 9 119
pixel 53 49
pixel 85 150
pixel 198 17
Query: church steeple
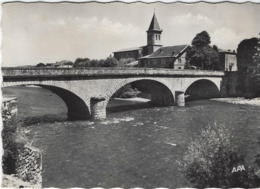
pixel 154 35
pixel 154 26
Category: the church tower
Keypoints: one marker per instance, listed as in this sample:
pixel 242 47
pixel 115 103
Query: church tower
pixel 154 36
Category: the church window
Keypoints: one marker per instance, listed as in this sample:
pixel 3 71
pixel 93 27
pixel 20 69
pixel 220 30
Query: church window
pixel 159 37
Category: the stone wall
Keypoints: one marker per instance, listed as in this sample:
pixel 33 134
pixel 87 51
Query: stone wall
pixel 9 108
pixel 232 83
pixel 22 162
pixel 28 165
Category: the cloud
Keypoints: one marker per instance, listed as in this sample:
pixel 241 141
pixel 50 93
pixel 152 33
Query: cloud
pixel 190 19
pixel 94 24
pixel 68 38
pixel 226 38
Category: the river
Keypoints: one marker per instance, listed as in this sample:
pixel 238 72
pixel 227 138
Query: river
pixel 136 146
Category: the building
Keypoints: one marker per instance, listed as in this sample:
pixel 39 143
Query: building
pixel 154 35
pixel 154 55
pixel 228 60
pixel 135 53
pixel 165 57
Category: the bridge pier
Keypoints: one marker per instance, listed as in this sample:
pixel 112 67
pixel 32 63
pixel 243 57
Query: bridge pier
pixel 180 98
pixel 98 108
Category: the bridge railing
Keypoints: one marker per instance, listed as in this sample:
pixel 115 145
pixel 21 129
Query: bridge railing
pixel 114 71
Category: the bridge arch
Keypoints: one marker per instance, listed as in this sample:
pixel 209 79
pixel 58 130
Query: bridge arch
pixel 160 91
pixel 77 108
pixel 203 88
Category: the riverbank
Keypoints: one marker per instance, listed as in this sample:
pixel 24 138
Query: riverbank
pixel 239 100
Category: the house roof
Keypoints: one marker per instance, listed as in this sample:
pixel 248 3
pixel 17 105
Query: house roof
pixel 170 51
pixel 226 51
pixel 129 49
pixel 154 24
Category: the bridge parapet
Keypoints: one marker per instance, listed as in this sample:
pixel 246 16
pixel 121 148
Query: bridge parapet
pixel 116 71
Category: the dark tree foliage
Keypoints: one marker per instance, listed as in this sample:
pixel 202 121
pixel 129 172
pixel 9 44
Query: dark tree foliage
pixel 245 52
pixel 69 63
pixel 201 39
pixel 211 159
pixel 94 63
pixel 40 65
pixel 81 62
pixel 49 64
pixel 101 62
pixel 201 54
pixel 110 62
pixel 126 91
pixel 205 57
pixel 86 62
pixel 10 145
pixel 245 63
pixel 215 47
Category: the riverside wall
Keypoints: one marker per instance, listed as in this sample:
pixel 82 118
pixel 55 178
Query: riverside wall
pixel 22 163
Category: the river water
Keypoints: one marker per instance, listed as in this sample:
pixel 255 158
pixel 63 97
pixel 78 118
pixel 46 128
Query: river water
pixel 136 146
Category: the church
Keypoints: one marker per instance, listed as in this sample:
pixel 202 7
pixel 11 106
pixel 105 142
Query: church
pixel 154 55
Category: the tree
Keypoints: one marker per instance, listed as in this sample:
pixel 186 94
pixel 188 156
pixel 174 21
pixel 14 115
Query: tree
pixel 124 61
pixel 110 62
pixel 101 62
pixel 40 65
pixel 215 48
pixel 81 62
pixel 94 63
pixel 68 63
pixel 201 39
pixel 49 65
pixel 246 65
pixel 211 159
pixel 201 54
pixel 245 53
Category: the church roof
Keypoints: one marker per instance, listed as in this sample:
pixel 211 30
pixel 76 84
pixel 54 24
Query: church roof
pixel 154 24
pixel 129 49
pixel 170 51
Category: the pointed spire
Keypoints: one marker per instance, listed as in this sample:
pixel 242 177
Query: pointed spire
pixel 154 24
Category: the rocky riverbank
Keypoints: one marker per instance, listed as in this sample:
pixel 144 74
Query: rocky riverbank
pixel 239 100
pixel 14 182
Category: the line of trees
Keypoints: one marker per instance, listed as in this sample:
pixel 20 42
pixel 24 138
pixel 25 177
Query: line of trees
pixel 86 62
pixel 57 64
pixel 108 62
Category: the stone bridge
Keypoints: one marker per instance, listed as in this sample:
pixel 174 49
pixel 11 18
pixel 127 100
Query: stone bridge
pixel 87 92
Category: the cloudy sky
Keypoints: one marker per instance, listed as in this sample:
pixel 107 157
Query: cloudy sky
pixel 50 32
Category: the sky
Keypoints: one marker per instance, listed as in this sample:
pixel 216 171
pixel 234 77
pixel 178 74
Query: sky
pixel 50 32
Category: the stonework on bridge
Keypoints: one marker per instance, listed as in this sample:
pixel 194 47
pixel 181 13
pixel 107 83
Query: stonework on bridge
pixel 87 92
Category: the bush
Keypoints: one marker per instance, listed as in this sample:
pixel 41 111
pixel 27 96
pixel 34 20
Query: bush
pixel 211 158
pixel 126 92
pixel 124 61
pixel 40 65
pixel 10 145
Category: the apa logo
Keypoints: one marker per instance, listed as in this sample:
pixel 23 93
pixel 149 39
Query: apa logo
pixel 239 168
